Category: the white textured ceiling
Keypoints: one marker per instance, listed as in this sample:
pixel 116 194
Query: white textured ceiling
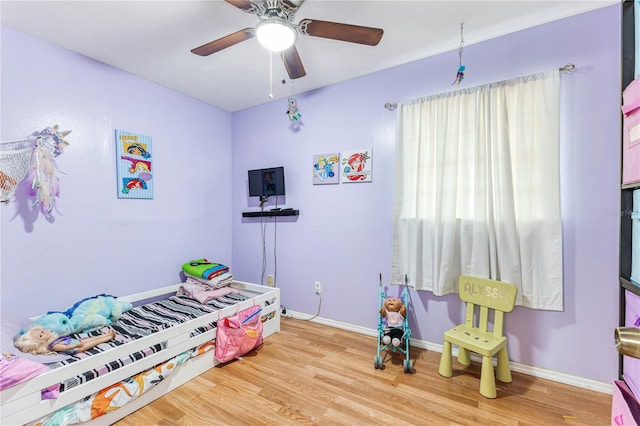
pixel 153 39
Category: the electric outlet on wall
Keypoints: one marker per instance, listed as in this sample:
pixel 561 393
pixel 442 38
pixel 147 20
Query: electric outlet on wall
pixel 318 287
pixel 270 281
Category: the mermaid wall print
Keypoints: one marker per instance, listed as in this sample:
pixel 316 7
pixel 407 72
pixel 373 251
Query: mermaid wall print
pixel 356 166
pixel 134 165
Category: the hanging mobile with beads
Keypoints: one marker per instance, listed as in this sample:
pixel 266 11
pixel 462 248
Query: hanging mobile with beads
pixel 292 107
pixel 461 68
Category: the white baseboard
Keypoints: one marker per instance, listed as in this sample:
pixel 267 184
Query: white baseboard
pixel 568 379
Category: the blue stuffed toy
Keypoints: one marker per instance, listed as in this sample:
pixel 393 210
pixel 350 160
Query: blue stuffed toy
pixel 57 322
pixel 86 315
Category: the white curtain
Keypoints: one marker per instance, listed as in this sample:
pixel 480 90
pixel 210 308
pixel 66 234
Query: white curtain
pixel 477 189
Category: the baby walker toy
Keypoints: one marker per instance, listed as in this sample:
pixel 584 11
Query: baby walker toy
pixel 393 327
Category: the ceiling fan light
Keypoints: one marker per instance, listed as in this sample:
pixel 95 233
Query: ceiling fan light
pixel 276 35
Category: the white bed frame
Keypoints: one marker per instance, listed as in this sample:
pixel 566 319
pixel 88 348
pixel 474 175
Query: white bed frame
pixel 22 403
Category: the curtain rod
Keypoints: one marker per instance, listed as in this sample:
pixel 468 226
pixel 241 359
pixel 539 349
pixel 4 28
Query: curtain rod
pixel 569 69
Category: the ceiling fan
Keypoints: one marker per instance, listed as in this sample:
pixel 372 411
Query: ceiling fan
pixel 278 15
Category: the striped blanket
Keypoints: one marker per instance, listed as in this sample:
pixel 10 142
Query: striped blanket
pixel 142 321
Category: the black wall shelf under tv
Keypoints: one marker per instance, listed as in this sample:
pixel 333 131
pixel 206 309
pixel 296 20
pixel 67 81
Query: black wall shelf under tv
pixel 271 213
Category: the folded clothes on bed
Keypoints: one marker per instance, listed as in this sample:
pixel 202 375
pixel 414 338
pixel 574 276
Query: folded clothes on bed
pixel 220 281
pixel 202 292
pixel 202 268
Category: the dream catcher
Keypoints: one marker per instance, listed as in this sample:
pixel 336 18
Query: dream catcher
pixel 461 68
pixel 15 157
pixel 292 109
pixel 32 160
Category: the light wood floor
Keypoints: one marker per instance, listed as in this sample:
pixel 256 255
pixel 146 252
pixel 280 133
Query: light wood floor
pixel 310 373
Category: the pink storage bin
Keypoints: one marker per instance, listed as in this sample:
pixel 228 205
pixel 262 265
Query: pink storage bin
pixel 631 133
pixel 635 238
pixel 630 365
pixel 624 408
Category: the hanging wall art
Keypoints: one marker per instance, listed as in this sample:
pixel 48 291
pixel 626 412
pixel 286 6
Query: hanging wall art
pixel 134 165
pixel 326 168
pixel 292 109
pixel 32 160
pixel 357 165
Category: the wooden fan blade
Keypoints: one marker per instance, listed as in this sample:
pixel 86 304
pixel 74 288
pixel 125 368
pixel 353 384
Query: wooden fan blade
pixel 293 63
pixel 245 5
pixel 224 42
pixel 343 32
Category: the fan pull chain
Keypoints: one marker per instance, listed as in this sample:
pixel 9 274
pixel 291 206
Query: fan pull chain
pixel 270 75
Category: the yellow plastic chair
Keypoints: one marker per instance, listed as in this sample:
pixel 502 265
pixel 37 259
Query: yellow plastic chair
pixel 482 295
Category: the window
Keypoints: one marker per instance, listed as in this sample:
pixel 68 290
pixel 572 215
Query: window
pixel 477 189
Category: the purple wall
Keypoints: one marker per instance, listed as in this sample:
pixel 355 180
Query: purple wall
pixel 99 243
pixel 343 234
pixel 342 237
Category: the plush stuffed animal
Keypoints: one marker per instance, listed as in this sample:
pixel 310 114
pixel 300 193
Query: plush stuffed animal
pixel 87 315
pixel 394 310
pixel 57 322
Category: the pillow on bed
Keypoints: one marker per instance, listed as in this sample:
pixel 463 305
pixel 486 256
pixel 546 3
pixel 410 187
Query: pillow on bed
pixel 10 330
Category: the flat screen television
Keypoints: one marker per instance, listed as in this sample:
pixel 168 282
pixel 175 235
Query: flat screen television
pixel 266 182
